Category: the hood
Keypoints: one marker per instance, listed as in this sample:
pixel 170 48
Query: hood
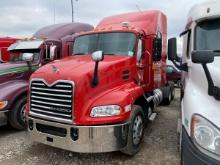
pixel 80 67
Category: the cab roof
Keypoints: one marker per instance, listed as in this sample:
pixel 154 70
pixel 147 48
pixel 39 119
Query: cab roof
pixel 203 11
pixel 58 31
pixel 148 21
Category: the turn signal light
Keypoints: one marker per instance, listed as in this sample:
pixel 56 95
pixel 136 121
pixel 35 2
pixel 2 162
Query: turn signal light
pixel 3 104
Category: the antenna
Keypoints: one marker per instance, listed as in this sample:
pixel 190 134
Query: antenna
pixel 72 7
pixel 54 12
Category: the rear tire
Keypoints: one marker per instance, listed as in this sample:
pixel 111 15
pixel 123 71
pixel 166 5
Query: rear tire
pixel 136 131
pixel 16 115
pixel 167 95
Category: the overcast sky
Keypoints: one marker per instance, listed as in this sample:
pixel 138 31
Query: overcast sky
pixel 24 17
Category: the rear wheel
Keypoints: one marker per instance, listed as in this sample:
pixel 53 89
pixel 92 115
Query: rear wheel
pixel 17 114
pixel 136 131
pixel 168 96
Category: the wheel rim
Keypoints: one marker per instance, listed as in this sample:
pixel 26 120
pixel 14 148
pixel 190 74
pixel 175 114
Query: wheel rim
pixel 22 113
pixel 137 130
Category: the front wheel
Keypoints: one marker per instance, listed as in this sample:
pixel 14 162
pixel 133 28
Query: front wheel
pixel 17 115
pixel 136 132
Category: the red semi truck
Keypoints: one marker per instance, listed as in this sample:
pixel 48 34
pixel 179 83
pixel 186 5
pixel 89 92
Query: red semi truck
pixel 102 97
pixel 5 42
pixel 47 44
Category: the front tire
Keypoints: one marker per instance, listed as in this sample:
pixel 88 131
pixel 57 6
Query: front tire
pixel 136 132
pixel 16 115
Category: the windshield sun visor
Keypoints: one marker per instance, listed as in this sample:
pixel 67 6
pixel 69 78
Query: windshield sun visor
pixel 23 45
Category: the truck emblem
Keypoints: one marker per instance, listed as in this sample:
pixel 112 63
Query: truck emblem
pixel 58 109
pixel 55 69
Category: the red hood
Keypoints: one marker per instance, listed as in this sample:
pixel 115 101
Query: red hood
pixel 78 67
pixel 80 70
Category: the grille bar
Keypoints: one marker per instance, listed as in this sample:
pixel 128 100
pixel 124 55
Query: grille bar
pixel 50 94
pixel 59 100
pixel 51 90
pixel 53 102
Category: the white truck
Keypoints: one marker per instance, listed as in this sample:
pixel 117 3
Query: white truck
pixel 200 94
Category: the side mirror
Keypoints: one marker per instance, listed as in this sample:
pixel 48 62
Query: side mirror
pixel 172 49
pixel 28 57
pixel 157 49
pixel 98 56
pixel 202 57
pixel 53 50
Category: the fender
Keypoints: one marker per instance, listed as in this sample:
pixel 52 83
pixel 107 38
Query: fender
pixel 124 95
pixel 11 90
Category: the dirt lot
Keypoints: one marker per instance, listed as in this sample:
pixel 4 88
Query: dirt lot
pixel 158 148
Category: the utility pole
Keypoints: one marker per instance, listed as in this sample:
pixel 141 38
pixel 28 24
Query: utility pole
pixel 54 12
pixel 72 7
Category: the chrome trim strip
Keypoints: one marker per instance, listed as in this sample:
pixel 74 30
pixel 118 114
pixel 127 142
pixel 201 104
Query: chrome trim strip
pixel 42 102
pixel 50 94
pixel 67 101
pixel 4 111
pixel 49 112
pixel 54 90
pixel 38 84
pixel 46 117
pixel 67 86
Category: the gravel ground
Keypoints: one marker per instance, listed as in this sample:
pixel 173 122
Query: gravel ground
pixel 159 146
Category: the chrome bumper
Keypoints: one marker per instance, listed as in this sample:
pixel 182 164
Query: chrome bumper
pixel 83 139
pixel 3 118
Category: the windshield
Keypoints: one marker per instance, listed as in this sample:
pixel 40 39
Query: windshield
pixel 207 35
pixel 109 43
pixel 18 56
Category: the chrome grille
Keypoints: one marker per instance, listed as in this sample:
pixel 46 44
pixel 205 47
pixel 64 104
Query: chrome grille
pixel 53 102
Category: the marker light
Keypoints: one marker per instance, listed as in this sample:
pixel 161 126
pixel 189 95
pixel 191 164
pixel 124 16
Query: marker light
pixel 3 104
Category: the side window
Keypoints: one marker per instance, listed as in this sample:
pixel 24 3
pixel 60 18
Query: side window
pixel 188 46
pixel 139 51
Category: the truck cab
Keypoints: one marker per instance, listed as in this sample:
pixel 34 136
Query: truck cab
pixel 200 122
pixel 26 56
pixel 5 42
pixel 102 97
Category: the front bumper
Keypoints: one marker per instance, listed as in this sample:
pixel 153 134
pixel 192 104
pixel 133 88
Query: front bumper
pixel 3 118
pixel 192 155
pixel 83 139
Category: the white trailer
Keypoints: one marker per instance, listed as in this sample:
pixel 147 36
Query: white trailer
pixel 200 94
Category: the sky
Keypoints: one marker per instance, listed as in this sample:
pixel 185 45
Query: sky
pixel 21 18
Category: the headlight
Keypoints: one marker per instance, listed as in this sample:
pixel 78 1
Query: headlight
pixel 3 104
pixel 205 135
pixel 106 111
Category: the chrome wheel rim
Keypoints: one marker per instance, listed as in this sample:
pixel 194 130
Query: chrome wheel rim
pixel 137 130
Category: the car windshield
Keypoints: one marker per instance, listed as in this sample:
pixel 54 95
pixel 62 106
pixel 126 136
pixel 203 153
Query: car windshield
pixel 109 43
pixel 18 56
pixel 207 35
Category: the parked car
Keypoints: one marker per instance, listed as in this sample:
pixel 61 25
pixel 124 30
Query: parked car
pixel 173 74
